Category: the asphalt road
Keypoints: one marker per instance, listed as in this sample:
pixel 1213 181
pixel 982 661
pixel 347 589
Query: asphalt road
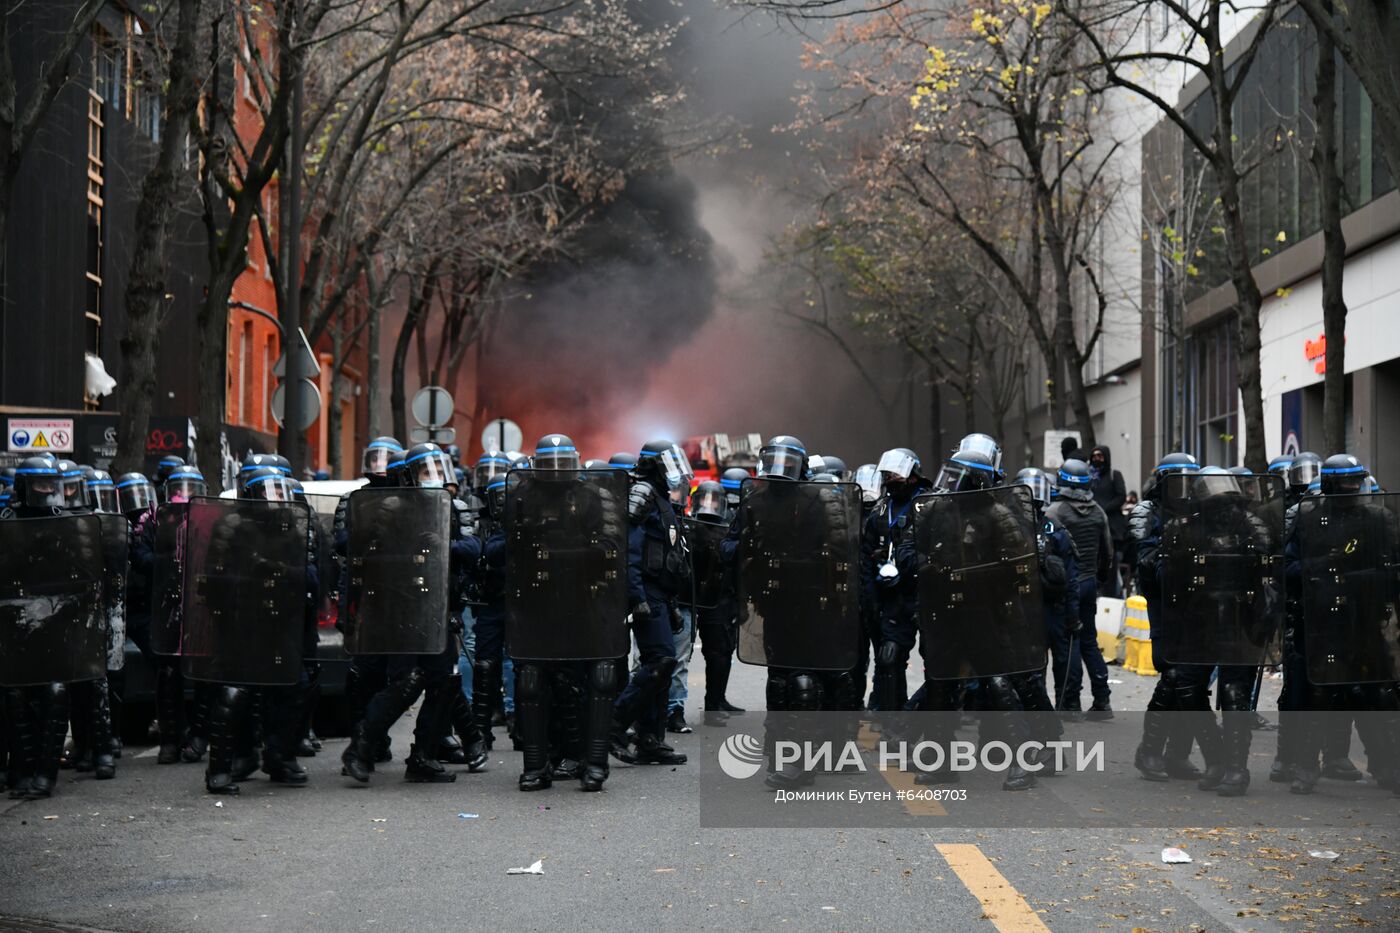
pixel 151 851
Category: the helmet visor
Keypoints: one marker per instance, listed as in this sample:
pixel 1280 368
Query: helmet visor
pixel 712 503
pixel 1039 486
pixel 1304 472
pixel 432 470
pixel 180 488
pixel 74 491
pixel 135 496
pixel 959 477
pixel 376 459
pixel 782 462
pixel 983 444
pixel 270 489
pixel 104 497
pixel 43 491
pixel 563 457
pixel 870 481
pixel 487 469
pixel 897 463
pixel 1216 484
pixel 675 466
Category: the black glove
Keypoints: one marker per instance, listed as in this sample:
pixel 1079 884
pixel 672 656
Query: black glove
pixel 677 621
pixel 1073 625
pixel 641 612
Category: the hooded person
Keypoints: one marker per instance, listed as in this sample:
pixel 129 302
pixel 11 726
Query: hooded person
pixel 1110 493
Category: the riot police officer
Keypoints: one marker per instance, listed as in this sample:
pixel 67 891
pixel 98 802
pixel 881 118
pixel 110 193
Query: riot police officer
pixel 656 568
pixel 1182 690
pixel 889 572
pixel 717 611
pixel 427 467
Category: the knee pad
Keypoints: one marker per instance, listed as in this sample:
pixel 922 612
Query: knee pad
pixel 487 667
pixel 999 694
pixel 529 682
pixel 806 693
pixel 605 676
pixel 1235 696
pixel 892 654
pixel 665 667
pixel 776 691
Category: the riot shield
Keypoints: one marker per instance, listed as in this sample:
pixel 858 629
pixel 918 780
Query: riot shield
pixel 323 547
pixel 707 567
pixel 1349 557
pixel 116 536
pixel 980 608
pixel 1222 570
pixel 53 625
pixel 245 591
pixel 168 576
pixel 399 590
pixel 566 565
pixel 799 574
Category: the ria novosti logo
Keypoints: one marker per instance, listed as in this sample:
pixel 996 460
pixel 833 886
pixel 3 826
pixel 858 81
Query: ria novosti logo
pixel 741 756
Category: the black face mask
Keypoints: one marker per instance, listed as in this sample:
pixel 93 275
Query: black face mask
pixel 901 491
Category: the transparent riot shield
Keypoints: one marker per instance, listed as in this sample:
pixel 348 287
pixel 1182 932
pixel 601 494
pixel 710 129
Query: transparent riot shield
pixel 566 565
pixel 168 576
pixel 1349 564
pixel 707 568
pixel 399 591
pixel 799 574
pixel 980 607
pixel 53 623
pixel 116 537
pixel 245 591
pixel 1222 570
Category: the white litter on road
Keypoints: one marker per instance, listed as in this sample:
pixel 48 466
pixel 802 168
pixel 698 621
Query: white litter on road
pixel 535 869
pixel 1174 856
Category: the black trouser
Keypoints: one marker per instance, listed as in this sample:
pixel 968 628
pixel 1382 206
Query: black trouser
pixel 568 705
pixel 717 629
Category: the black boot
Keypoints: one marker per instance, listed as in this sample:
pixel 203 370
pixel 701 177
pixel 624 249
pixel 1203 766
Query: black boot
pixel 422 766
pixel 53 730
pixel 228 707
pixel 422 769
pixel 532 696
pixel 465 726
pixel 1237 734
pixel 104 765
pixel 196 744
pixel 357 761
pixel 284 729
pixel 24 740
pixel 604 680
pixel 486 695
pixel 1150 758
pixel 450 750
pixel 170 708
pixel 307 743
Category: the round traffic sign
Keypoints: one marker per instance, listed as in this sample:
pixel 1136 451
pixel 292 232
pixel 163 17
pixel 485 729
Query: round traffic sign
pixel 432 406
pixel 310 403
pixel 502 434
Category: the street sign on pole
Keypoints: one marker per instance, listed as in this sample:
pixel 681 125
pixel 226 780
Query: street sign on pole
pixel 310 398
pixel 441 436
pixel 502 434
pixel 303 360
pixel 432 406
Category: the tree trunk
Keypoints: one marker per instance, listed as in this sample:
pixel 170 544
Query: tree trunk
pixel 372 371
pixel 336 423
pixel 146 284
pixel 1334 245
pixel 212 325
pixel 398 399
pixel 935 412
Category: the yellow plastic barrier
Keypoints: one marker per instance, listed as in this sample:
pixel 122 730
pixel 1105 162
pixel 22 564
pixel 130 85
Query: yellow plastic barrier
pixel 1137 638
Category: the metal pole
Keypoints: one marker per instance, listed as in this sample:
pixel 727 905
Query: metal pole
pixel 292 434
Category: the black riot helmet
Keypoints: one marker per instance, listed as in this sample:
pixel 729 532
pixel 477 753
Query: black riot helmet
pixel 1175 462
pixel 665 462
pixel 165 466
pixel 897 465
pixel 1303 472
pixel 556 452
pixel 596 464
pixel 982 443
pixel 394 471
pixel 428 467
pixel 1215 482
pixel 7 484
pixel 732 482
pixel 135 493
pixel 71 479
pixel 783 457
pixel 495 496
pixel 871 483
pixel 836 467
pixel 490 466
pixel 965 470
pixel 375 461
pixel 1279 466
pixel 253 462
pixel 184 484
pixel 102 492
pixel 455 453
pixel 1075 481
pixel 1240 471
pixel 1038 483
pixel 37 485
pixel 1343 474
pixel 622 460
pixel 709 503
pixel 266 483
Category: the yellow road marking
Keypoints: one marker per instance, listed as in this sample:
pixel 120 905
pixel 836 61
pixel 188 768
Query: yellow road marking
pixel 1001 902
pixel 901 780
